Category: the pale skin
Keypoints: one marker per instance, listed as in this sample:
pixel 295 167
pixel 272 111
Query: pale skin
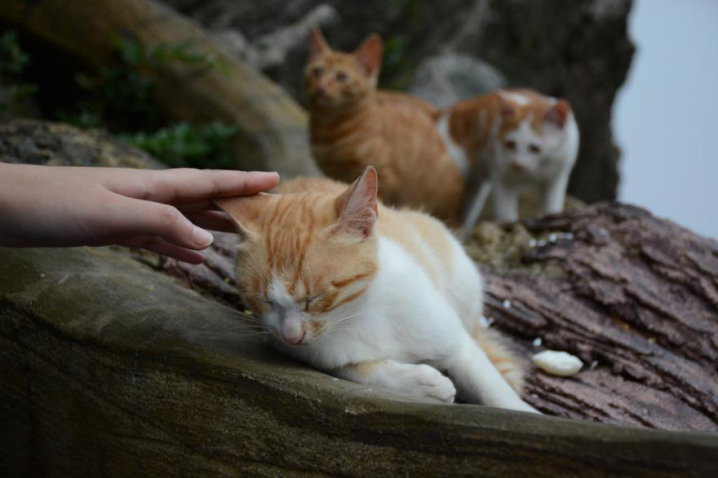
pixel 166 211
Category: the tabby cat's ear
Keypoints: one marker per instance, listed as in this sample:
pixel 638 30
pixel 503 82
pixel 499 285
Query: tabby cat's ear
pixel 357 206
pixel 558 114
pixel 369 55
pixel 317 44
pixel 244 210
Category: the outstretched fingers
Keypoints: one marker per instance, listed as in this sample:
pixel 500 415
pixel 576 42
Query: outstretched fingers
pixel 188 185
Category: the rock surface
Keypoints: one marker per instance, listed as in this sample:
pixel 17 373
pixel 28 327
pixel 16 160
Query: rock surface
pixel 578 50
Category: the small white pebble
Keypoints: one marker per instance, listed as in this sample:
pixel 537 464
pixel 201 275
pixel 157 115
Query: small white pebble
pixel 568 236
pixel 542 243
pixel 552 237
pixel 532 242
pixel 538 342
pixel 507 304
pixel 603 232
pixel 42 274
pixel 561 364
pixel 335 379
pixel 594 364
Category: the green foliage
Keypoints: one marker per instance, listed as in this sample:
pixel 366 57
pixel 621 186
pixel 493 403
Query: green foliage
pixel 185 145
pixel 121 99
pixel 396 63
pixel 13 61
pixel 12 58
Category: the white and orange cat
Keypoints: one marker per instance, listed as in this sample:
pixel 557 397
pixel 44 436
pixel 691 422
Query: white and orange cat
pixel 507 142
pixel 352 126
pixel 372 294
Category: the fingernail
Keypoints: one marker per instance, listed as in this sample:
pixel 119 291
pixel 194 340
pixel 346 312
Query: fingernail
pixel 201 237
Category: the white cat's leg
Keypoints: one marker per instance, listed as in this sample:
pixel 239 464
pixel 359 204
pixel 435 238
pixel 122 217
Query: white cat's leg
pixel 478 381
pixel 553 195
pixel 506 203
pixel 473 210
pixel 421 380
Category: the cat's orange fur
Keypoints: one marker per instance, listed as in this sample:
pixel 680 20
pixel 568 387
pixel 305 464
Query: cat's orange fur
pixel 472 121
pixel 353 126
pixel 287 236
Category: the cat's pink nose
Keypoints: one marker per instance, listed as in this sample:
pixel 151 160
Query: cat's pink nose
pixel 294 339
pixel 518 167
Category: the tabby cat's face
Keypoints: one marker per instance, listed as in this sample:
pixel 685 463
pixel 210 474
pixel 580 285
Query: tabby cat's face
pixel 336 80
pixel 307 259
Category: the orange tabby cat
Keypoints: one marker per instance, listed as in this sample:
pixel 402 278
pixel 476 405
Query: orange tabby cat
pixel 353 126
pixel 371 294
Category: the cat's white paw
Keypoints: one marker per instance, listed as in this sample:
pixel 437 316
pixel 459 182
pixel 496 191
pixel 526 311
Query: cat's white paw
pixel 426 381
pixel 519 405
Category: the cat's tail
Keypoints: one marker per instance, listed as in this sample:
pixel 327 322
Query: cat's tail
pixel 498 349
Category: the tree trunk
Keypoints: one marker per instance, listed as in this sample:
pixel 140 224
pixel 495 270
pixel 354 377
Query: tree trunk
pixel 273 128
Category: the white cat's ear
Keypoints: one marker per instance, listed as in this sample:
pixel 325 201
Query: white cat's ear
pixel 245 210
pixel 558 114
pixel 357 206
pixel 369 55
pixel 505 108
pixel 317 44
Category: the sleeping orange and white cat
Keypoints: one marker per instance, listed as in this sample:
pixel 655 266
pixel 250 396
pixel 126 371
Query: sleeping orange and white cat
pixel 352 126
pixel 371 294
pixel 509 141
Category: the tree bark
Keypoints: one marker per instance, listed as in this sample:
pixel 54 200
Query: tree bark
pixel 273 131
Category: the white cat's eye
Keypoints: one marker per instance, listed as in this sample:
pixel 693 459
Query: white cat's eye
pixel 534 149
pixel 510 145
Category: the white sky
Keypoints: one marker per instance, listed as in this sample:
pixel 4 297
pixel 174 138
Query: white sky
pixel 666 116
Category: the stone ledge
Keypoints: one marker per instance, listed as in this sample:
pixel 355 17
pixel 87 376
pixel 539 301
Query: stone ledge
pixel 110 367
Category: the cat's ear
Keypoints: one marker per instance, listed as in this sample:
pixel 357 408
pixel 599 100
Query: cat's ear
pixel 558 114
pixel 317 44
pixel 244 210
pixel 369 55
pixel 505 108
pixel 357 206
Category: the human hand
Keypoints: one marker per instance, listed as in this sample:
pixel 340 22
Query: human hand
pixel 161 211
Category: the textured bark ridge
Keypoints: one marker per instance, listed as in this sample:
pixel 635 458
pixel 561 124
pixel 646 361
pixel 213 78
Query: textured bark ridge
pixel 636 298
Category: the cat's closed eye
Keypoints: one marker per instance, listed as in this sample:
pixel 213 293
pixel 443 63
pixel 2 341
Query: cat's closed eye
pixel 317 71
pixel 309 300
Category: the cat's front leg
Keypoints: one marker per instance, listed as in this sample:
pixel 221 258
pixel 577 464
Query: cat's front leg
pixel 553 195
pixel 413 379
pixel 478 380
pixel 505 202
